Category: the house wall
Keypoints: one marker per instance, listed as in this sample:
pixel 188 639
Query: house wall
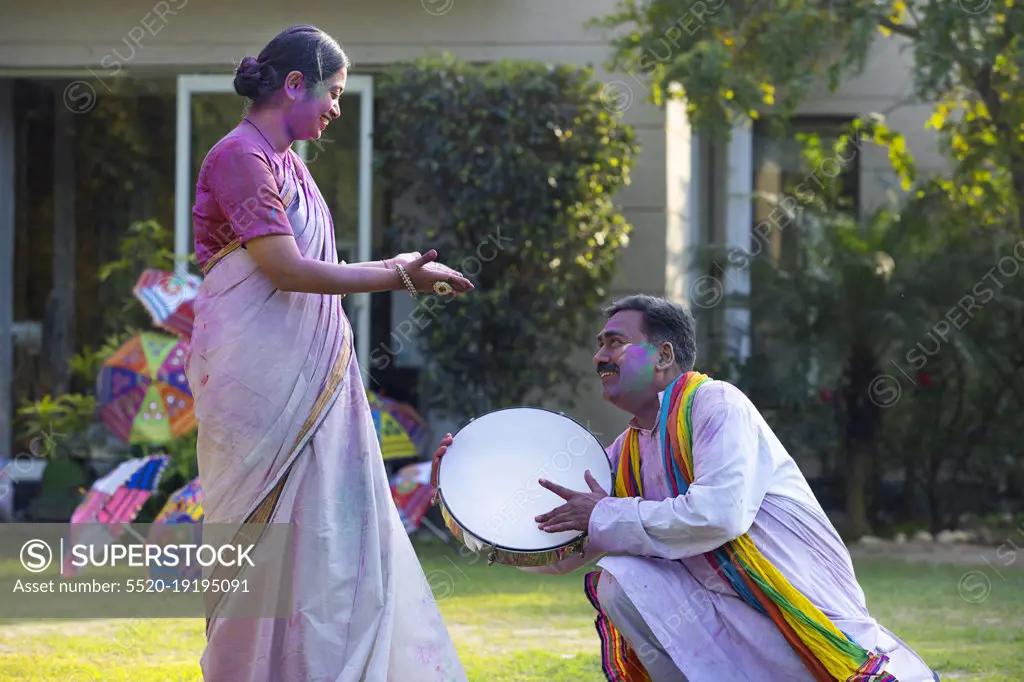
pixel 886 86
pixel 108 36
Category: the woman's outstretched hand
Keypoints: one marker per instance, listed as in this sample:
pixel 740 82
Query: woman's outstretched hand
pixel 403 258
pixel 425 272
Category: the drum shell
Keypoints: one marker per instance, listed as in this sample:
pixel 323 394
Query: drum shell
pixel 546 427
pixel 510 557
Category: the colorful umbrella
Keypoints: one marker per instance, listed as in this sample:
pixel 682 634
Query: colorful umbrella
pixel 179 522
pixel 186 502
pixel 112 501
pixel 415 426
pixel 172 566
pixel 412 492
pixel 143 392
pixel 395 442
pixel 169 297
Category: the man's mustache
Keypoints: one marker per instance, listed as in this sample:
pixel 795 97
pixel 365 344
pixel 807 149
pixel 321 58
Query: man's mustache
pixel 607 367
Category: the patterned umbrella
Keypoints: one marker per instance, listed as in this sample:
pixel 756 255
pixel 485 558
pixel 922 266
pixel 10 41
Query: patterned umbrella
pixel 169 297
pixel 143 392
pixel 186 502
pixel 411 490
pixel 395 442
pixel 415 426
pixel 114 500
pixel 178 523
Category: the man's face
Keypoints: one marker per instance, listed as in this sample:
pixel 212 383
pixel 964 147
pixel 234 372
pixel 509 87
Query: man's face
pixel 626 361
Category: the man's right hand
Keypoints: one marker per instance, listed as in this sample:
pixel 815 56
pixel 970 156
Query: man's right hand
pixel 441 449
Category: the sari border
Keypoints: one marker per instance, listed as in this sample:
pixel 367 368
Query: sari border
pixel 264 510
pixel 220 255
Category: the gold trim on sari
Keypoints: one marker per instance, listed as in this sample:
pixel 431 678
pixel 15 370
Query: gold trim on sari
pixel 217 257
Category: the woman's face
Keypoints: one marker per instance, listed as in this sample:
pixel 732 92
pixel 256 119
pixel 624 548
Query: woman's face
pixel 313 110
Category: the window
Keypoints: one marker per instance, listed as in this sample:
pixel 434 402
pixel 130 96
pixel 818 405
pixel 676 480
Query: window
pixel 118 167
pixel 783 184
pixel 780 171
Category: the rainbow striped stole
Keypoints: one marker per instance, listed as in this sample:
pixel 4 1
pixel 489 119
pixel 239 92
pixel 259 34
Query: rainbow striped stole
pixel 618 660
pixel 829 654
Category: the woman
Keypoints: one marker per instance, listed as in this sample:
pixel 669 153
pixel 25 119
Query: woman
pixel 285 432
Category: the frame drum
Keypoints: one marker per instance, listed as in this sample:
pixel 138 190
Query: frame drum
pixel 488 490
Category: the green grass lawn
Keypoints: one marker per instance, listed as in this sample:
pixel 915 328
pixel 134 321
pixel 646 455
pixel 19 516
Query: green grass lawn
pixel 511 625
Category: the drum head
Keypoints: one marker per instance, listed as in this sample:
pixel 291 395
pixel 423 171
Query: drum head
pixel 488 477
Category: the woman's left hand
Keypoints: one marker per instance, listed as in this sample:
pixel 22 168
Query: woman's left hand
pixel 442 271
pixel 402 259
pixel 427 275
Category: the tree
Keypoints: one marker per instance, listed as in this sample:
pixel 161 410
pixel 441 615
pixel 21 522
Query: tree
pixel 742 59
pixel 508 169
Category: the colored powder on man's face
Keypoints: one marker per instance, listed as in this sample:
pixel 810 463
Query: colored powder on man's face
pixel 636 367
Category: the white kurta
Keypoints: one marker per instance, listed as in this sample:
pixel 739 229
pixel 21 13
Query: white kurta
pixel 744 482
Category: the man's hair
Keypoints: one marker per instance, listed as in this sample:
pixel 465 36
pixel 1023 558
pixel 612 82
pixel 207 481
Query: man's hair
pixel 663 321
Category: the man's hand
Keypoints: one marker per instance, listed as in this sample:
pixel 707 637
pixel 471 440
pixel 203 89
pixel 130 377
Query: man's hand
pixel 441 449
pixel 575 513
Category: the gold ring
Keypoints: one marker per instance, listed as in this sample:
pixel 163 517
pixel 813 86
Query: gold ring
pixel 443 288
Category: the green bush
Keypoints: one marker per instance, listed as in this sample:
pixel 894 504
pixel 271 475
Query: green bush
pixel 509 170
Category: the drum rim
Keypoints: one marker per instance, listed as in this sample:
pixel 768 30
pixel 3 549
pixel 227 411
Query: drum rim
pixel 494 545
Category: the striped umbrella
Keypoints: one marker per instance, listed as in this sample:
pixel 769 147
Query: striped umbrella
pixel 169 297
pixel 113 501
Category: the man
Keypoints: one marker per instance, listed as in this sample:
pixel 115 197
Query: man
pixel 681 594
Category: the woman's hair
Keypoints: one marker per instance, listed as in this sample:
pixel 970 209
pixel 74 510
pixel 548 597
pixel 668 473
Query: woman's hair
pixel 306 49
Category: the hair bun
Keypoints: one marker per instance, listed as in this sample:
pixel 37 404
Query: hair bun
pixel 248 78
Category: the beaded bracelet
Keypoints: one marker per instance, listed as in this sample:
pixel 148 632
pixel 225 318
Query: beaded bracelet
pixel 406 280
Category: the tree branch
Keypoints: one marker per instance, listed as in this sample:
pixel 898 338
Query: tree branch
pixel 904 30
pixel 983 83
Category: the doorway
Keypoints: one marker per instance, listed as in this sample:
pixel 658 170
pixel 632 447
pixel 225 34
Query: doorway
pixel 342 166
